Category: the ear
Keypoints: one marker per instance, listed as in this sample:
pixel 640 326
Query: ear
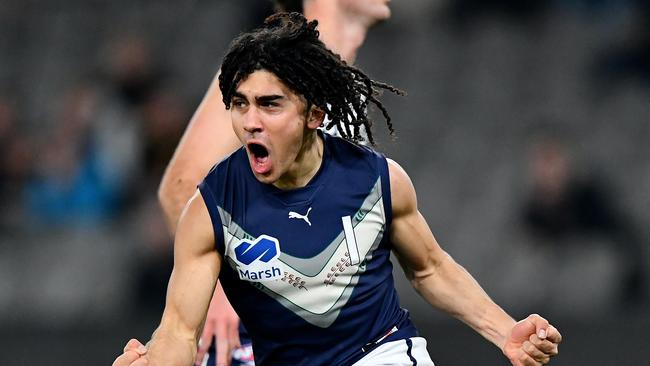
pixel 315 118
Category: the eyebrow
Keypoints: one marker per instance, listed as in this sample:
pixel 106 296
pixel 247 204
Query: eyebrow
pixel 268 98
pixel 260 99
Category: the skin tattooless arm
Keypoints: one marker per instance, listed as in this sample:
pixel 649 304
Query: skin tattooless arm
pixel 196 268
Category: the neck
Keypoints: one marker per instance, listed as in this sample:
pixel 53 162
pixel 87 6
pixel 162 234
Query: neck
pixel 306 165
pixel 342 32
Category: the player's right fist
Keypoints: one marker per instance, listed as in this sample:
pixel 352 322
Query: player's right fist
pixel 133 351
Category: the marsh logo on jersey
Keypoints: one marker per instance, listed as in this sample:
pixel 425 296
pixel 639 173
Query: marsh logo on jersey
pixel 258 260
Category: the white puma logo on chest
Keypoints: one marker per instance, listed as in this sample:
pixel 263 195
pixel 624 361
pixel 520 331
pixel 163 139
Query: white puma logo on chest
pixel 295 215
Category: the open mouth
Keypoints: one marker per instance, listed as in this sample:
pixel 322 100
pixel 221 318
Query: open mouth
pixel 258 151
pixel 259 157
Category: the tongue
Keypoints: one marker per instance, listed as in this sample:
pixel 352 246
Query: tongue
pixel 261 165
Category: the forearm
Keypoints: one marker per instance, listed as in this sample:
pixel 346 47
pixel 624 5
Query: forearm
pixel 175 341
pixel 191 284
pixel 177 335
pixel 450 288
pixel 176 187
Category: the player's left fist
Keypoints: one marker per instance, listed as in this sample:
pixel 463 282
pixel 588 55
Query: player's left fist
pixel 532 342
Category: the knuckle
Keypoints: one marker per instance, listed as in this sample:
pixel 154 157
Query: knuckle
pixel 527 346
pixel 539 318
pixel 223 343
pixel 540 357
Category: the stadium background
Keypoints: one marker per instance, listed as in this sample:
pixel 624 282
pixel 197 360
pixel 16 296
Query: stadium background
pixel 94 95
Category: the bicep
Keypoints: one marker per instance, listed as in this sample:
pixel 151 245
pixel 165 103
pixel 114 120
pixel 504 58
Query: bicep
pixel 413 242
pixel 196 268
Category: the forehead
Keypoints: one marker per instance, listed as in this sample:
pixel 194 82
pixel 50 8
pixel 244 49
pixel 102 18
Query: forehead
pixel 263 82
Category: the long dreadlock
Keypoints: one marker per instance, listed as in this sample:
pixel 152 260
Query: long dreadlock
pixel 288 46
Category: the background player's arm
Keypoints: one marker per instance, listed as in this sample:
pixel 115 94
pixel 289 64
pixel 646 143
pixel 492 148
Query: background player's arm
pixel 449 287
pixel 208 139
pixel 196 268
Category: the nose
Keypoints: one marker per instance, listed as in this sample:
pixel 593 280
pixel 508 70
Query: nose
pixel 252 121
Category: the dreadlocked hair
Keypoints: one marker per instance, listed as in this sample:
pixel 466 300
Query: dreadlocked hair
pixel 288 46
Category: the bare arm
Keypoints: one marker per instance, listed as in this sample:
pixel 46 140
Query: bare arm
pixel 208 139
pixel 433 273
pixel 449 287
pixel 196 268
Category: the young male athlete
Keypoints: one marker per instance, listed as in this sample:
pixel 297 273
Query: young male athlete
pixel 298 225
pixel 209 138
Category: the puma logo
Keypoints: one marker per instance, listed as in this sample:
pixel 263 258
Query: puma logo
pixel 295 215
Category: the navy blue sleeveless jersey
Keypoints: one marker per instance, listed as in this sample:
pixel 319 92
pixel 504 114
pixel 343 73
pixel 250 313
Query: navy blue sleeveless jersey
pixel 308 270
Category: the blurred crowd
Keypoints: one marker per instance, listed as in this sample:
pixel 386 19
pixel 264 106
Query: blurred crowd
pixel 79 169
pixel 96 161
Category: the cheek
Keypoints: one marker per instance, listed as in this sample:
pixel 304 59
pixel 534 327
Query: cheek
pixel 287 140
pixel 236 122
pixel 285 127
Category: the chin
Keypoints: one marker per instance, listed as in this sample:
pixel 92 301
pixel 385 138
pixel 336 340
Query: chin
pixel 265 178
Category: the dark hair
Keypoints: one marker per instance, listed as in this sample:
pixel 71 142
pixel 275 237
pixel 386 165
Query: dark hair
pixel 289 5
pixel 288 46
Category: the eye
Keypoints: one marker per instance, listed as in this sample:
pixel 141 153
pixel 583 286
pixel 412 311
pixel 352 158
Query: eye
pixel 269 104
pixel 238 103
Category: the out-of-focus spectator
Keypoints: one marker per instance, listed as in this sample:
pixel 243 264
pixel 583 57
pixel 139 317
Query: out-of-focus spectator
pixel 154 258
pixel 164 116
pixel 16 159
pixel 564 205
pixel 70 183
pixel 15 154
pixel 142 106
pixel 139 121
pixel 130 70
